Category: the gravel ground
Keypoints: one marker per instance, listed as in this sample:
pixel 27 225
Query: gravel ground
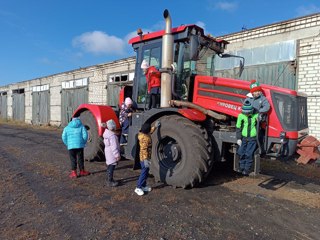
pixel 39 201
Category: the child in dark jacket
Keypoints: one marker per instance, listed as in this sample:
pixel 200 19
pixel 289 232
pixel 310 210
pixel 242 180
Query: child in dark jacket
pixel 246 137
pixel 75 136
pixel 144 138
pixel 125 119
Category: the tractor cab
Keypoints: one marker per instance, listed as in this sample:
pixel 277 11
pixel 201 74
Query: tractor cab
pixel 193 53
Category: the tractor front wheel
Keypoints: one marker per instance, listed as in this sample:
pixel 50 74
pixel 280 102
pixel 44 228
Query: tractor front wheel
pixel 181 152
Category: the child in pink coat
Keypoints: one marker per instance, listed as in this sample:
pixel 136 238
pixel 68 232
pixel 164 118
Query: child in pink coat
pixel 112 151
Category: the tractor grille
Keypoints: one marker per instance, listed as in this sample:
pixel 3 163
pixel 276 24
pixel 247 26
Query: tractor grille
pixel 222 92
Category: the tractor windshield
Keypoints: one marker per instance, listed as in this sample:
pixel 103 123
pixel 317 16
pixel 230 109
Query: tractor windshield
pixel 291 110
pixel 152 55
pixel 186 67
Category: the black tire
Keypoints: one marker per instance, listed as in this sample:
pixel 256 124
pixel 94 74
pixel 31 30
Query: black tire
pixel 94 150
pixel 181 152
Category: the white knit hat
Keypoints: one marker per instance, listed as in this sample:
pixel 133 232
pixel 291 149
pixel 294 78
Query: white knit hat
pixel 144 64
pixel 127 101
pixel 111 125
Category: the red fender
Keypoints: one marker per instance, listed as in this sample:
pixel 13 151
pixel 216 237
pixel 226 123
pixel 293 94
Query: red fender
pixel 101 113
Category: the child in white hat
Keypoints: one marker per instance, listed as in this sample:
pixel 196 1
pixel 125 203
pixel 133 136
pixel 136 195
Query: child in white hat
pixel 111 150
pixel 124 119
pixel 153 77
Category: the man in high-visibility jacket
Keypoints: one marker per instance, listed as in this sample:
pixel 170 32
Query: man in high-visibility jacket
pixel 153 77
pixel 246 131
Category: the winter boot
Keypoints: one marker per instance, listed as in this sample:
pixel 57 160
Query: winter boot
pixel 84 173
pixel 73 174
pixel 113 183
pixel 110 181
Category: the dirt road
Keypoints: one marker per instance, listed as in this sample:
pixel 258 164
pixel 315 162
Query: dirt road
pixel 39 201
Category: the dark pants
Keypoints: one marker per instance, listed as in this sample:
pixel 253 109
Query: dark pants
pixel 110 170
pixel 246 152
pixel 154 100
pixel 124 130
pixel 76 156
pixel 154 97
pixel 142 181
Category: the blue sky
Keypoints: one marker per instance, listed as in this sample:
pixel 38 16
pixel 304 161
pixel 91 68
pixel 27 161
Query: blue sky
pixel 40 38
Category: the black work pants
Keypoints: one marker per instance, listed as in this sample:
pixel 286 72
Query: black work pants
pixel 76 156
pixel 154 100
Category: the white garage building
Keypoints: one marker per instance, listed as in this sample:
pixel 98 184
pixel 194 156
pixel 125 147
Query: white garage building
pixel 285 54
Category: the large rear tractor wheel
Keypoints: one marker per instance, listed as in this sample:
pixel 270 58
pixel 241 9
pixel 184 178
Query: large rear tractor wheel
pixel 181 152
pixel 94 149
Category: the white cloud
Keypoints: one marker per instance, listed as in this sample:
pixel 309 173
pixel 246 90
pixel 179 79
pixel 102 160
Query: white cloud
pixel 134 34
pixel 306 10
pixel 156 27
pixel 130 35
pixel 201 24
pixel 223 5
pixel 99 43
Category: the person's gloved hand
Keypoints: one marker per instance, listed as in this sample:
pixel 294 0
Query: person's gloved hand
pixel 262 117
pixel 157 124
pixel 239 142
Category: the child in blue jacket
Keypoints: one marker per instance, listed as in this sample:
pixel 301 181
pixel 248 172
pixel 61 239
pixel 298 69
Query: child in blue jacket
pixel 75 136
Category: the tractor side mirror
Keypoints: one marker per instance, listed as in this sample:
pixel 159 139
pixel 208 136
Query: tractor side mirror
pixel 241 66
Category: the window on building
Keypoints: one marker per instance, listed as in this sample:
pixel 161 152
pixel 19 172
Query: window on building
pixel 120 77
pixel 40 88
pixel 18 91
pixel 75 83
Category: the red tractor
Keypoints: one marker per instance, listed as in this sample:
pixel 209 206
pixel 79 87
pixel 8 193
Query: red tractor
pixel 198 111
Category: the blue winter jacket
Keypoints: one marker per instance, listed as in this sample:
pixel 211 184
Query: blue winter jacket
pixel 75 134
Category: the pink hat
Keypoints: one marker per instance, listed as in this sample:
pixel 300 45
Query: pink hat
pixel 127 101
pixel 144 64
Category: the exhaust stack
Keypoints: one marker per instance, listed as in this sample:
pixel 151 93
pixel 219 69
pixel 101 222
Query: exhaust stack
pixel 167 60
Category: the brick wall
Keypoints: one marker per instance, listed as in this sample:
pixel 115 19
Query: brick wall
pixel 306 31
pixel 309 79
pixel 97 81
pixel 281 28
